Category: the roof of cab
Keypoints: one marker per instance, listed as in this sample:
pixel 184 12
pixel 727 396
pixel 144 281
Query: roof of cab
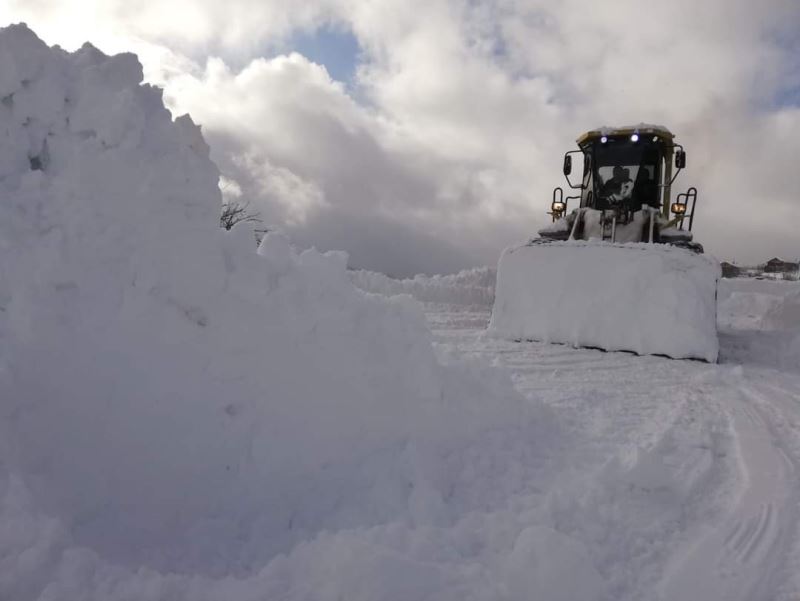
pixel 626 130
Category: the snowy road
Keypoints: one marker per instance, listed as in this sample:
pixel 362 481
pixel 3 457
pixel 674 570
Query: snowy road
pixel 685 473
pixel 742 556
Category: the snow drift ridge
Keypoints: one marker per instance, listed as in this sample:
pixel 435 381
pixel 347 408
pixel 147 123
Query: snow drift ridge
pixel 175 409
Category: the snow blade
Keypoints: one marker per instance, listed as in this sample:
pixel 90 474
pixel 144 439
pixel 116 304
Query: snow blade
pixel 645 298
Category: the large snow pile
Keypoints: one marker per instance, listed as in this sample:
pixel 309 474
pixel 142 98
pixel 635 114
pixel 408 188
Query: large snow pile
pixel 470 287
pixel 761 322
pixel 635 297
pixel 182 418
pixel 759 304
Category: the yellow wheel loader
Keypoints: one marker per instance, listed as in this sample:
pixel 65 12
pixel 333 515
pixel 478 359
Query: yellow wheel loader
pixel 621 271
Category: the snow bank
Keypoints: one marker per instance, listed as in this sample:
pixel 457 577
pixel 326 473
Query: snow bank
pixel 761 322
pixel 183 418
pixel 470 287
pixel 776 349
pixel 635 297
pixel 759 304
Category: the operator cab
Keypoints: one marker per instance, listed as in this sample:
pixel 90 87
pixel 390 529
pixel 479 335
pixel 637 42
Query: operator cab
pixel 625 167
pixel 625 181
pixel 624 172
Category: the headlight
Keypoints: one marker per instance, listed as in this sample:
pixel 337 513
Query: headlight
pixel 558 207
pixel 678 208
pixel 635 138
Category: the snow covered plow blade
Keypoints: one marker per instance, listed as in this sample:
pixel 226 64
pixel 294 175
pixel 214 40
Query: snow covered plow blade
pixel 644 298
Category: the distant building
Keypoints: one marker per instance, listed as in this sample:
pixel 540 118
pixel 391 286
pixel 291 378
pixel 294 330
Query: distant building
pixel 774 269
pixel 729 270
pixel 777 265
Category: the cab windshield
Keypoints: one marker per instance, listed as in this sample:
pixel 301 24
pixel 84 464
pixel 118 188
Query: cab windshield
pixel 626 172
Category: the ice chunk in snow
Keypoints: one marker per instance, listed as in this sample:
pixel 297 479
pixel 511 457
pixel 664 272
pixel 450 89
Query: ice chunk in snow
pixel 649 299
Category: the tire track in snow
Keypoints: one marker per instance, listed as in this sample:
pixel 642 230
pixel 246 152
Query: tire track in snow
pixel 617 401
pixel 744 542
pixel 742 557
pixel 651 457
pixel 777 397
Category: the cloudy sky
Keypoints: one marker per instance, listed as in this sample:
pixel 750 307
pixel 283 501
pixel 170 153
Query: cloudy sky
pixel 425 136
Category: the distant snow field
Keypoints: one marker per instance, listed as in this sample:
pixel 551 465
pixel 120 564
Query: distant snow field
pixel 184 418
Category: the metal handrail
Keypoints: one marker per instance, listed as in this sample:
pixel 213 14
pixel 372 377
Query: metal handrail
pixel 690 194
pixel 558 196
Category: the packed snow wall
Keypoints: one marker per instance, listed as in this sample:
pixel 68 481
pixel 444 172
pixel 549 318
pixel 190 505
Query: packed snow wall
pixel 760 322
pixel 470 287
pixel 642 298
pixel 181 417
pixel 752 304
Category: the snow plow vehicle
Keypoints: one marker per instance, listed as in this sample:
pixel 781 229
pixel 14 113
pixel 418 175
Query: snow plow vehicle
pixel 621 271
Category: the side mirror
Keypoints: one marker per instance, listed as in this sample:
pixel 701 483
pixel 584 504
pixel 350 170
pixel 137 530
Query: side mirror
pixel 680 159
pixel 567 164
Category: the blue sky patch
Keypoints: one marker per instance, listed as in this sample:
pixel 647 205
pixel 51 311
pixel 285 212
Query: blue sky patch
pixel 786 41
pixel 788 97
pixel 336 48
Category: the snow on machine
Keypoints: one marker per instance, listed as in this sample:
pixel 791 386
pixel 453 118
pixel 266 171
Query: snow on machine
pixel 621 271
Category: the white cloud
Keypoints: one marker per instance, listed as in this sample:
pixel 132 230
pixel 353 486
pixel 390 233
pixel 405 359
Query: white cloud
pixel 452 139
pixel 274 187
